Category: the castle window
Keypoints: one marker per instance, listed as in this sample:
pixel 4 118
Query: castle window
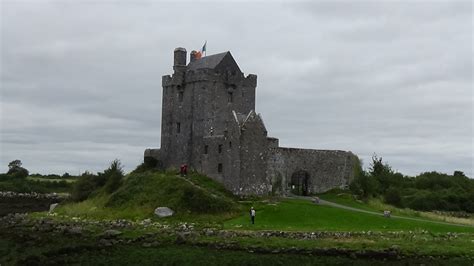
pixel 230 97
pixel 220 148
pixel 219 168
pixel 180 96
pixel 178 127
pixel 206 149
pixel 230 144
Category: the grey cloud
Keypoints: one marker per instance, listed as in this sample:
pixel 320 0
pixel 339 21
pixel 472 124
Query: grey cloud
pixel 81 81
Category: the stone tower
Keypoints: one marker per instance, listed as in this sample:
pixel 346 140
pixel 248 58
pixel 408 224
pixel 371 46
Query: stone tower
pixel 209 122
pixel 198 101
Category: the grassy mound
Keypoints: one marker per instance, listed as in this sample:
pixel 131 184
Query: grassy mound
pixel 141 193
pixel 160 189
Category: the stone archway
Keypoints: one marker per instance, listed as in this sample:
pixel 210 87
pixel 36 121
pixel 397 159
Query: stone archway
pixel 300 183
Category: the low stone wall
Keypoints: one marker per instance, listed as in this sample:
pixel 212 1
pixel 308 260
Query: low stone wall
pixel 12 202
pixel 326 169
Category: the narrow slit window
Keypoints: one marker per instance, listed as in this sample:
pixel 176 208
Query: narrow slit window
pixel 219 149
pixel 219 168
pixel 230 144
pixel 230 97
pixel 181 96
pixel 178 127
pixel 206 149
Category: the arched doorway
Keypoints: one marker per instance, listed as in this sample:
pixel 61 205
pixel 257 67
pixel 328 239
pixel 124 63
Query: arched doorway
pixel 300 183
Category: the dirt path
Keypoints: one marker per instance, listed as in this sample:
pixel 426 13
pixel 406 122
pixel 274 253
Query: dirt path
pixel 197 186
pixel 336 205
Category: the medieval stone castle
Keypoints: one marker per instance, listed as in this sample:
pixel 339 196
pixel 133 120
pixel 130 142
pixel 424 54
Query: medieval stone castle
pixel 209 123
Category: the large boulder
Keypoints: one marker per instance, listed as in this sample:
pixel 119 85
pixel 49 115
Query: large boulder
pixel 163 212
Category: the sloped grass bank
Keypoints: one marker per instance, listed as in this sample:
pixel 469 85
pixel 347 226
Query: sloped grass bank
pixel 377 205
pixel 141 193
pixel 302 215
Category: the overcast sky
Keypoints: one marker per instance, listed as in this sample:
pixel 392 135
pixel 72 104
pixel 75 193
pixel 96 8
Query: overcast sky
pixel 81 80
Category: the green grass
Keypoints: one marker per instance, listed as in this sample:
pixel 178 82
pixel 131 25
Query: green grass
pixel 38 248
pixel 141 193
pixel 376 205
pixel 210 185
pixel 29 184
pixel 302 215
pixel 347 199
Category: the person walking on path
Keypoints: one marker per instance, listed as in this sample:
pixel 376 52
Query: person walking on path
pixel 252 215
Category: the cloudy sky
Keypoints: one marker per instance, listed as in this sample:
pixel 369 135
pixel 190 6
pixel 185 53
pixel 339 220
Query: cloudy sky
pixel 81 80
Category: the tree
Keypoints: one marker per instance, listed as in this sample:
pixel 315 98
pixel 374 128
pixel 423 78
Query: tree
pixel 114 175
pixel 14 164
pixel 15 169
pixel 383 173
pixel 459 173
pixel 363 185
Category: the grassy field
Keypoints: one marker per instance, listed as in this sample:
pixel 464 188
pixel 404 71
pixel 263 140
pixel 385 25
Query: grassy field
pixel 303 215
pixel 378 206
pixel 204 203
pixel 195 198
pixel 68 180
pixel 32 184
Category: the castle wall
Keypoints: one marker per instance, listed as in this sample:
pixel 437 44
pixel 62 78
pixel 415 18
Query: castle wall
pixel 327 169
pixel 253 157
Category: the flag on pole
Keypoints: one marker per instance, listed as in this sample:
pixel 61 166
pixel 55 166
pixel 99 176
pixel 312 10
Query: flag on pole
pixel 200 53
pixel 203 49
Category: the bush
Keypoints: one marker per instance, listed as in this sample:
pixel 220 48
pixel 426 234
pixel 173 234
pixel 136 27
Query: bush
pixel 113 176
pixel 364 185
pixel 392 196
pixel 84 187
pixel 428 191
pixel 18 173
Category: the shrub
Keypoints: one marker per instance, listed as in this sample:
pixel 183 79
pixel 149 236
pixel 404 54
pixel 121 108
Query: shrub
pixel 113 176
pixel 86 184
pixel 19 173
pixel 392 196
pixel 364 185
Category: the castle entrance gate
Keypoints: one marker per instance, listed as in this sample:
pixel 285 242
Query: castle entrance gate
pixel 300 183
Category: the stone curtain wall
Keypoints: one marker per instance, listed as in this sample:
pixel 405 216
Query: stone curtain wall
pixel 327 169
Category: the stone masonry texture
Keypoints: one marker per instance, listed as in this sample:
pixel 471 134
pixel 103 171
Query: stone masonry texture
pixel 209 123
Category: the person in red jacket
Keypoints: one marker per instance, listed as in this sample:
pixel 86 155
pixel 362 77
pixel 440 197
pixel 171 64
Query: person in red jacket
pixel 181 170
pixel 185 170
